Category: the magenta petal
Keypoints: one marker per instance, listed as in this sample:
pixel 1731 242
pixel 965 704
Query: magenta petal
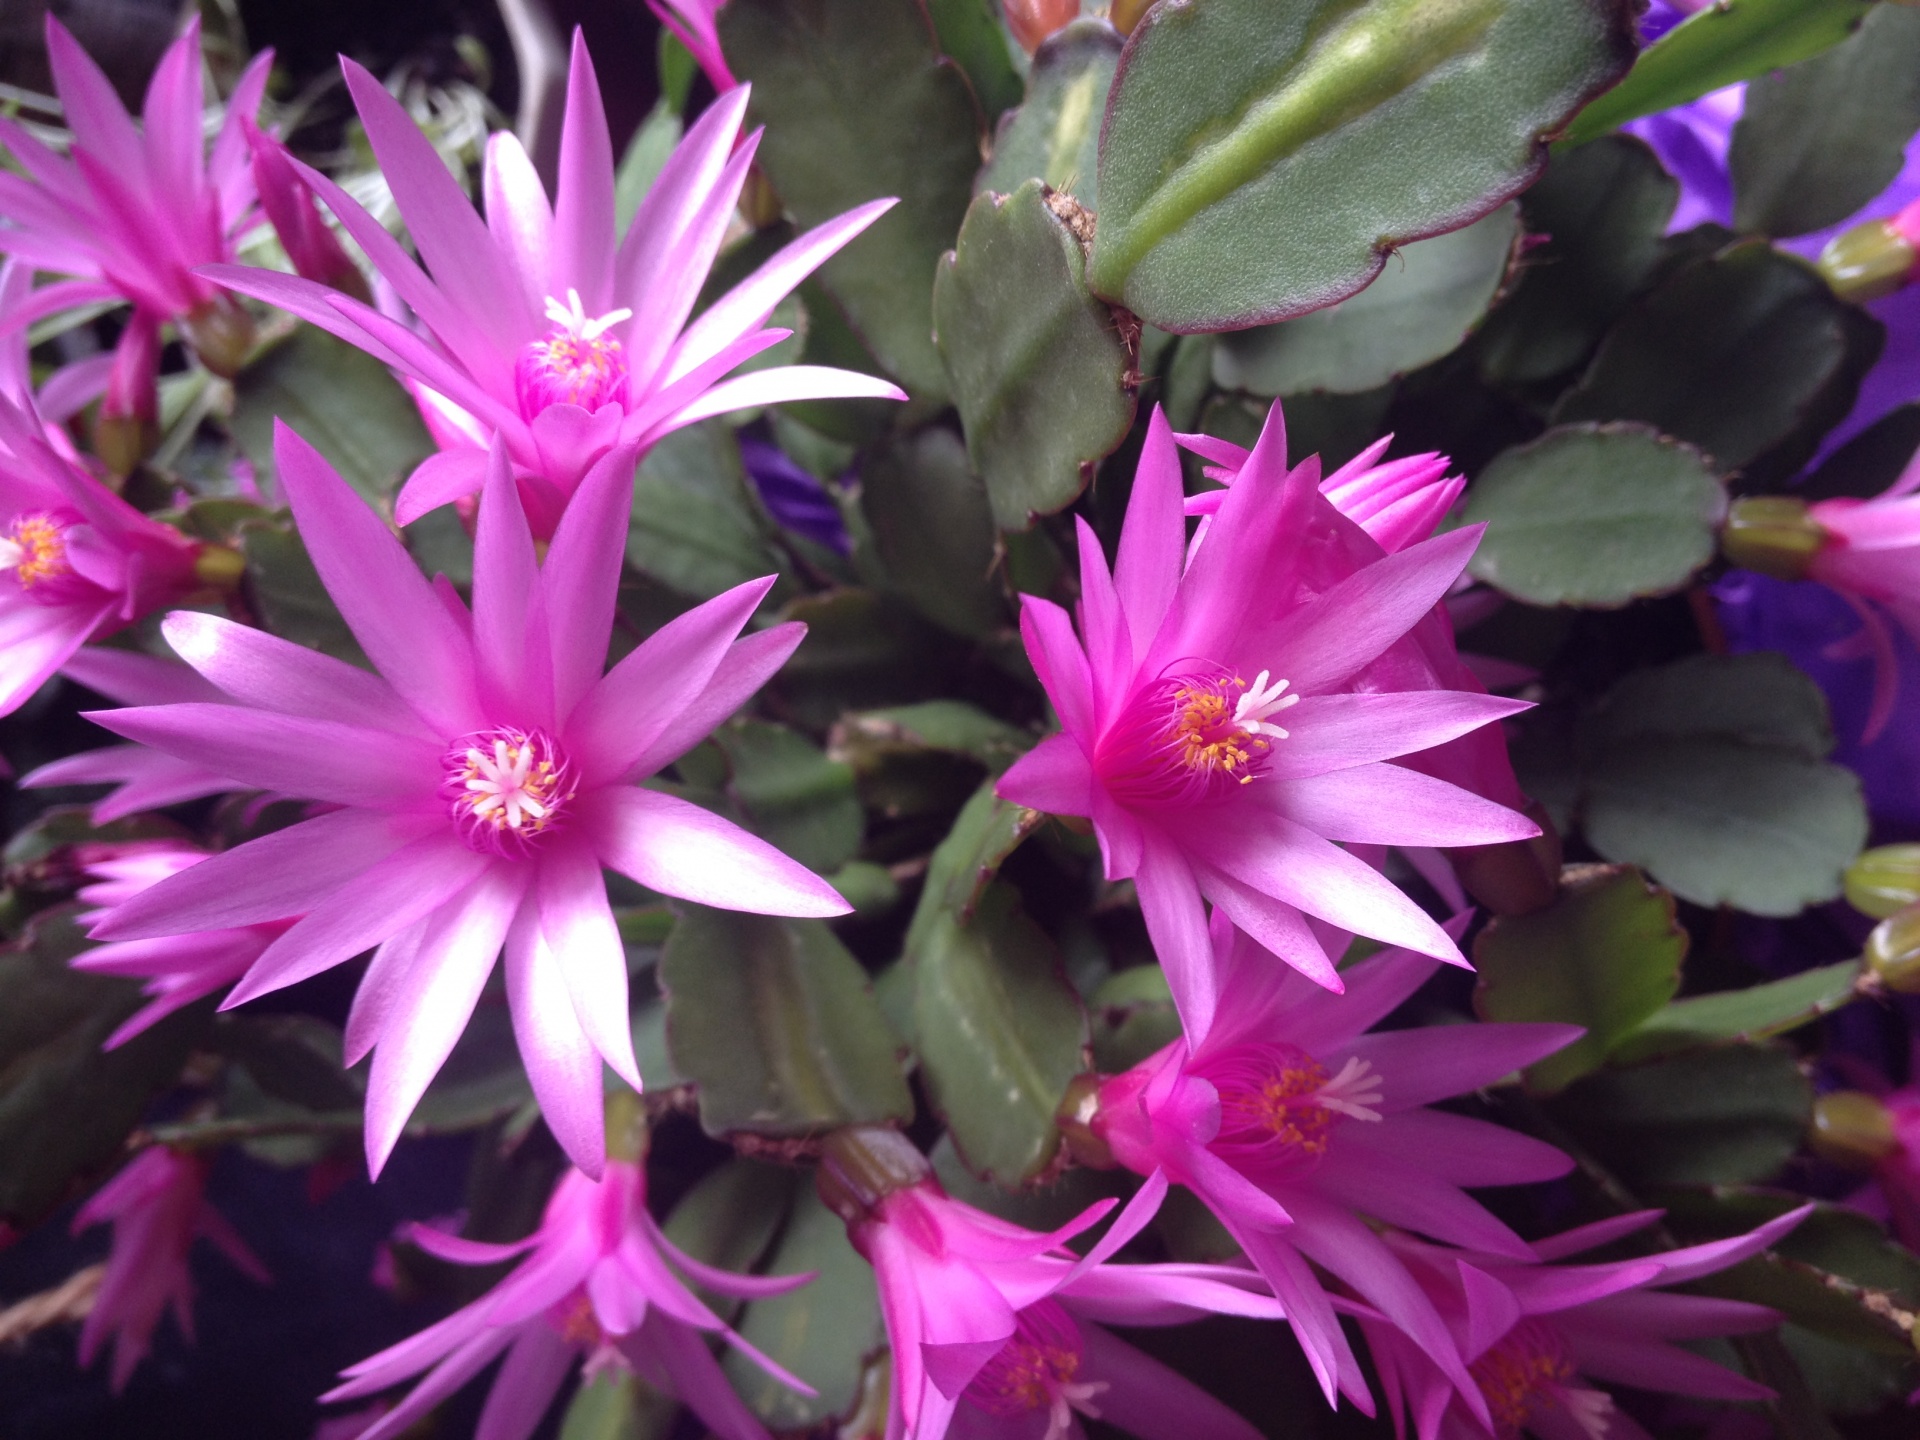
pixel 562 1065
pixel 275 877
pixel 681 850
pixel 1059 661
pixel 1437 1062
pixel 1388 804
pixel 1651 1365
pixel 780 385
pixel 439 480
pixel 748 664
pixel 1054 776
pixel 1153 541
pixel 384 598
pixel 274 674
pixel 94 113
pixel 519 215
pixel 580 932
pixel 582 577
pixel 453 1372
pixel 1177 924
pixel 695 1377
pixel 583 198
pixel 1337 732
pixel 387 897
pixel 529 1378
pixel 510 632
pixel 36 640
pixel 431 1003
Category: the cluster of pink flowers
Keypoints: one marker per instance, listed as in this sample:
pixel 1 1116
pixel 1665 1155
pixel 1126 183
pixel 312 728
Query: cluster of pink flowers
pixel 1252 709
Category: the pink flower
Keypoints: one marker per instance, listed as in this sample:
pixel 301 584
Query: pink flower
pixel 144 779
pixel 1229 713
pixel 158 1208
pixel 991 1324
pixel 599 1281
pixel 288 200
pixel 76 561
pixel 177 969
pixel 131 213
pixel 695 24
pixel 1292 1125
pixel 542 324
pixel 1536 1336
pixel 481 780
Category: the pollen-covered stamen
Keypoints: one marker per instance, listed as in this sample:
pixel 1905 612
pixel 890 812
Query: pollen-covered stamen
pixel 34 548
pixel 1528 1373
pixel 506 788
pixel 578 363
pixel 1198 731
pixel 1036 1369
pixel 1279 1105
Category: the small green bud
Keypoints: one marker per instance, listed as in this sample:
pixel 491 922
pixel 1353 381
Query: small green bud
pixel 1867 261
pixel 1079 1108
pixel 1853 1129
pixel 1772 534
pixel 861 1165
pixel 1884 880
pixel 626 1122
pixel 220 566
pixel 1893 951
pixel 221 334
pixel 123 441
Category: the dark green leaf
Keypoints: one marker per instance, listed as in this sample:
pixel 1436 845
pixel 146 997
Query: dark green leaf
pixel 862 649
pixel 1420 308
pixel 934 531
pixel 1055 134
pixel 1726 1116
pixel 791 794
pixel 986 831
pixel 1133 1017
pixel 859 103
pixel 1599 213
pixel 1595 515
pixel 66 1106
pixel 1038 368
pixel 950 726
pixel 295 1058
pixel 618 1405
pixel 821 1332
pixel 1046 1207
pixel 1755 1013
pixel 1259 161
pixel 774 1022
pixel 1819 140
pixel 1721 44
pixel 287 594
pixel 1734 354
pixel 970 33
pixel 1708 773
pixel 696 526
pixel 1605 955
pixel 340 400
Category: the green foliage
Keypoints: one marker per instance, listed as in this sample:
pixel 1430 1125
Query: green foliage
pixel 1055 134
pixel 1754 1013
pixel 1595 515
pixel 696 526
pixel 933 530
pixel 1259 161
pixel 791 794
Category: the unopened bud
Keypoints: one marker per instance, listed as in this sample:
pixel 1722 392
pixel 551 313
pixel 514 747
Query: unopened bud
pixel 128 427
pixel 1868 260
pixel 1884 880
pixel 1516 877
pixel 1773 535
pixel 1893 951
pixel 1853 1129
pixel 1032 21
pixel 1079 1108
pixel 221 334
pixel 860 1165
pixel 220 566
pixel 1128 13
pixel 759 202
pixel 314 250
pixel 626 1125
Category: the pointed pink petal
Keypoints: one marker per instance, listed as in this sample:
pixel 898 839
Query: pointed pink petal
pixel 1153 540
pixel 175 149
pixel 1387 804
pixel 1438 1062
pixel 696 1378
pixel 779 385
pixel 519 216
pixel 430 1005
pixel 529 1378
pixel 583 199
pixel 1177 924
pixel 1650 1365
pixel 681 850
pixel 274 674
pixel 458 1368
pixel 461 1251
pixel 36 640
pixel 1060 663
pixel 582 577
pixel 94 113
pixel 580 931
pixel 1590 1237
pixel 561 1063
pixel 439 480
pixel 748 664
pixel 1336 732
pixel 1054 776
pixel 1277 928
pixel 381 593
pixel 510 633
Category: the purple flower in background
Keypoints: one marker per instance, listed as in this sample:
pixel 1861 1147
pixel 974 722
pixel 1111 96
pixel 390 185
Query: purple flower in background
pixel 545 326
pixel 158 1208
pixel 132 213
pixel 792 495
pixel 1292 1124
pixel 602 1282
pixel 1536 1335
pixel 481 778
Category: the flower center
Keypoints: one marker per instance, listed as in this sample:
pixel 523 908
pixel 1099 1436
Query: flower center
pixel 505 788
pixel 1527 1374
pixel 577 363
pixel 1191 735
pixel 1035 1370
pixel 1279 1105
pixel 34 548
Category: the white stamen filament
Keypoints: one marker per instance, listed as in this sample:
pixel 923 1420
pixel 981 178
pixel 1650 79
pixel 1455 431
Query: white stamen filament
pixel 12 552
pixel 572 316
pixel 1074 1395
pixel 1260 701
pixel 500 780
pixel 1356 1091
pixel 1592 1410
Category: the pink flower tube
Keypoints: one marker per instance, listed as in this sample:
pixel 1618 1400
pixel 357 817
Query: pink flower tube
pixel 1226 725
pixel 601 1282
pixel 158 1208
pixel 1296 1127
pixel 480 780
pixel 695 24
pixel 541 323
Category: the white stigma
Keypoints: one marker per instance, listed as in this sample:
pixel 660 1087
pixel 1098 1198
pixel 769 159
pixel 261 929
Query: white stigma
pixel 498 784
pixel 1068 1397
pixel 572 317
pixel 1260 701
pixel 1356 1091
pixel 1592 1410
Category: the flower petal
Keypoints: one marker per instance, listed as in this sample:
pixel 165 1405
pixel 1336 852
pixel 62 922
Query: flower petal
pixel 561 1063
pixel 580 931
